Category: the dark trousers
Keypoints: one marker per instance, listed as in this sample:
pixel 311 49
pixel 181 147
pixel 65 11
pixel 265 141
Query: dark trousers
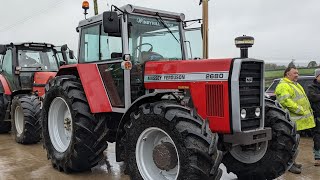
pixel 316 139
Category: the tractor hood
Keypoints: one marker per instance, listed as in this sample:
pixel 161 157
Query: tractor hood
pixel 181 74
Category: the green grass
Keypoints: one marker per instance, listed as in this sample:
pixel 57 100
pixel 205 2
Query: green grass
pixel 271 75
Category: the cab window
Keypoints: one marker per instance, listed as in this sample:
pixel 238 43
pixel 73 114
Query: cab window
pixel 95 45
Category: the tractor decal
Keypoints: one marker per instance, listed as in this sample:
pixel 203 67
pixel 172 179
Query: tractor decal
pixel 207 76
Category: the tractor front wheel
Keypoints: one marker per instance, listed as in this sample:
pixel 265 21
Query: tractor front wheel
pixel 266 160
pixel 164 142
pixel 73 137
pixel 25 114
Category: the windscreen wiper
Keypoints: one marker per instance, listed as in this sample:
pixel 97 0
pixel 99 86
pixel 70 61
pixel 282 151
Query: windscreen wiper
pixel 164 25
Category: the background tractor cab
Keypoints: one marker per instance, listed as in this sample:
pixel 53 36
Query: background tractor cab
pixel 136 85
pixel 25 70
pixel 28 66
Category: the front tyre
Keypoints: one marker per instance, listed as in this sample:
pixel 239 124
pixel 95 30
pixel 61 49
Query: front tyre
pixel 280 151
pixel 164 142
pixel 25 114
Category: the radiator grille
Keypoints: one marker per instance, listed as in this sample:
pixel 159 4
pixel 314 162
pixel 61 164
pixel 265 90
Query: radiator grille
pixel 215 99
pixel 250 88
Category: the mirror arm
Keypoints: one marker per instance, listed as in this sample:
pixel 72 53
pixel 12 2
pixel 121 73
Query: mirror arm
pixel 118 9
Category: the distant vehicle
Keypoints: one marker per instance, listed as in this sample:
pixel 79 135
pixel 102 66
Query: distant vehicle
pixel 304 81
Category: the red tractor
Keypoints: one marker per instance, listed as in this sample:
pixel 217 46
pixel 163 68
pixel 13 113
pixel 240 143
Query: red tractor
pixel 25 69
pixel 136 85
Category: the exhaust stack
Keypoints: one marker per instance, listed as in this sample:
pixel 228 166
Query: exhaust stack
pixel 244 42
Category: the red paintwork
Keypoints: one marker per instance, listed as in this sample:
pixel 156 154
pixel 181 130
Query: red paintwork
pixel 93 87
pixel 187 66
pixel 217 124
pixel 5 85
pixel 197 89
pixel 42 78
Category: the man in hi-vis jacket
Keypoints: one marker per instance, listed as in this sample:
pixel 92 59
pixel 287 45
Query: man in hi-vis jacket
pixel 290 94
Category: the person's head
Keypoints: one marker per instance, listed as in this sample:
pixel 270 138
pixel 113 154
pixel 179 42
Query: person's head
pixel 317 74
pixel 291 73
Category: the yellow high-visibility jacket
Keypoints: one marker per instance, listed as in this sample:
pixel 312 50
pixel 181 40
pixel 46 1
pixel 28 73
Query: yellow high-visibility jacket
pixel 292 97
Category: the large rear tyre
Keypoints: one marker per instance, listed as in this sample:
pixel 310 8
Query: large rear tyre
pixel 25 119
pixel 280 153
pixel 73 137
pixel 5 126
pixel 164 142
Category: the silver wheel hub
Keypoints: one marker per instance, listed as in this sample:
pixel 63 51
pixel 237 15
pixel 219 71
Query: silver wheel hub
pixel 60 124
pixel 157 155
pixel 19 119
pixel 249 155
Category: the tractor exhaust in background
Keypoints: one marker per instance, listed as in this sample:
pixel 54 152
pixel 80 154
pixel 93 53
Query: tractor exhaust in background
pixel 244 42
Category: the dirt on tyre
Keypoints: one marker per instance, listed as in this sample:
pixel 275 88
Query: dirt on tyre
pixel 280 153
pixel 25 118
pixel 73 137
pixel 164 141
pixel 5 126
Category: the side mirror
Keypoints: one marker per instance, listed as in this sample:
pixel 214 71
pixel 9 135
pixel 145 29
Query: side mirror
pixel 3 49
pixel 61 63
pixel 71 54
pixel 111 22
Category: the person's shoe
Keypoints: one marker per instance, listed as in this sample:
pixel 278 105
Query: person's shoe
pixel 294 169
pixel 317 162
pixel 298 165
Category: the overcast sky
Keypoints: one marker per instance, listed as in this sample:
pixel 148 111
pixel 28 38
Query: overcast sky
pixel 283 29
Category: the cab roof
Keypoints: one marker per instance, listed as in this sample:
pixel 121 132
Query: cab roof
pixel 131 9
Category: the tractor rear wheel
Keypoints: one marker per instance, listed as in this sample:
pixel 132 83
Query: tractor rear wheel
pixel 73 137
pixel 5 126
pixel 25 117
pixel 164 142
pixel 280 153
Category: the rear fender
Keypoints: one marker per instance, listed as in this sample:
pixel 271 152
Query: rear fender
pixel 92 84
pixel 4 86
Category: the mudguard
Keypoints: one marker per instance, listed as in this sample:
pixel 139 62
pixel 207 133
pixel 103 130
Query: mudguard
pixel 92 84
pixel 4 87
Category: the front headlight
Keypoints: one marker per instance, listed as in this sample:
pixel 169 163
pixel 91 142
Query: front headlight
pixel 258 112
pixel 243 113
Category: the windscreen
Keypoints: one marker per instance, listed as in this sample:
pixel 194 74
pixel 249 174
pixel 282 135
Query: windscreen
pixel 273 86
pixel 154 38
pixel 42 58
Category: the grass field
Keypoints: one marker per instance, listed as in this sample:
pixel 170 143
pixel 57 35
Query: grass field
pixel 271 75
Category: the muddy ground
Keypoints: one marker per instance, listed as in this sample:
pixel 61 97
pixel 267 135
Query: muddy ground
pixel 23 162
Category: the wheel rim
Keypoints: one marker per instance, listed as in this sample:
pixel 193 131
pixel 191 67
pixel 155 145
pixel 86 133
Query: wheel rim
pixel 249 156
pixel 60 124
pixel 19 119
pixel 147 144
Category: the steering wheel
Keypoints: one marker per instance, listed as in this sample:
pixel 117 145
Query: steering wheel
pixel 143 44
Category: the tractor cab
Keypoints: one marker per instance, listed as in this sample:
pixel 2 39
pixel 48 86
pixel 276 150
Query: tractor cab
pixel 132 34
pixel 27 66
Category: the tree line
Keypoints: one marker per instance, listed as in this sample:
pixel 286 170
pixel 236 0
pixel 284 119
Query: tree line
pixel 273 66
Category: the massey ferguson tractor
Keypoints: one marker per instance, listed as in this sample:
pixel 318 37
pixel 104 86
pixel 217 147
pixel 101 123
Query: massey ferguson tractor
pixel 171 117
pixel 25 69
